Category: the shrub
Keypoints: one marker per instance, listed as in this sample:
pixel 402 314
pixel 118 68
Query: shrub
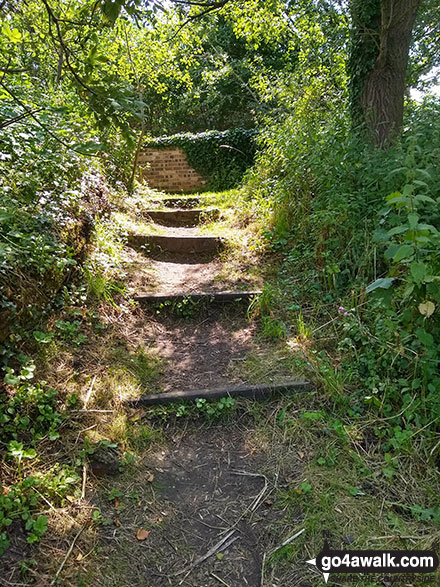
pixel 360 226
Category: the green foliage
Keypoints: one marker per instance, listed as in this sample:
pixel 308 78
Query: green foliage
pixel 213 409
pixel 221 157
pixel 362 225
pixel 29 415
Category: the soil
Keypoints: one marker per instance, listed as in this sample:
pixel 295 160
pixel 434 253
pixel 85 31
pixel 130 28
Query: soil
pixel 208 486
pixel 201 354
pixel 207 511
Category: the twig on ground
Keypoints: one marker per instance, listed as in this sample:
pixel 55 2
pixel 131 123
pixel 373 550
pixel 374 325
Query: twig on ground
pixel 263 562
pixel 259 497
pixel 84 430
pixel 288 541
pixel 220 580
pixel 221 545
pixel 92 411
pixel 84 481
pixel 89 393
pixel 69 552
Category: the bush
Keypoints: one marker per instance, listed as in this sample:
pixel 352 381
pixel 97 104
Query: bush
pixel 361 226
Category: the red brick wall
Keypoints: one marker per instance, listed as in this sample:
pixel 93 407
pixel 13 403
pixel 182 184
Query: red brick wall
pixel 168 170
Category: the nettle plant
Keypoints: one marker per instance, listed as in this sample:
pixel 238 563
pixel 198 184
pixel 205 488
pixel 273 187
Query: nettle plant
pixel 411 291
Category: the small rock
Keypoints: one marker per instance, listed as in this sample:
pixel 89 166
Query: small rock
pixel 348 539
pixel 105 461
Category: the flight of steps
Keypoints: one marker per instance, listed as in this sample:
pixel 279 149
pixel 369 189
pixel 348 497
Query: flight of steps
pixel 179 215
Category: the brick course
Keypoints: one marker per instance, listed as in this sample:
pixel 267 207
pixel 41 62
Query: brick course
pixel 168 170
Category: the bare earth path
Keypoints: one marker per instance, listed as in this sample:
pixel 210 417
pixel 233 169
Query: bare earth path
pixel 203 490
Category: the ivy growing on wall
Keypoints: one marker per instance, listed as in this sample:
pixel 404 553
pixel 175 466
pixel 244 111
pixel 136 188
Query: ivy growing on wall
pixel 221 157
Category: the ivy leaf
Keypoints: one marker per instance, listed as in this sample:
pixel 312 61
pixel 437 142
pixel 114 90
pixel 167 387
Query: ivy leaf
pixel 10 378
pixel 43 337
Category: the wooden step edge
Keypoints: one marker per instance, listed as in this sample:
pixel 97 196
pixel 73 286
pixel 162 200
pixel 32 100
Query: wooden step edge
pixel 158 238
pixel 215 296
pixel 182 201
pixel 254 392
pixel 188 211
pixel 182 237
pixel 177 243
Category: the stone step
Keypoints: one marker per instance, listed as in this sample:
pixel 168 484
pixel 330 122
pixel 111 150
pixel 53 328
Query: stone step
pixel 254 392
pixel 183 217
pixel 213 296
pixel 177 244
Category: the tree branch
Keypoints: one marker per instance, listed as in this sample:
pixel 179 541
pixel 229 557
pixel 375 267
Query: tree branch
pixel 43 126
pixel 210 7
pixel 12 70
pixel 10 121
pixel 56 21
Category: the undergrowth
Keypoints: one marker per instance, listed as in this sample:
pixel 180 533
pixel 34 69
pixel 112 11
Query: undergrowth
pixel 356 230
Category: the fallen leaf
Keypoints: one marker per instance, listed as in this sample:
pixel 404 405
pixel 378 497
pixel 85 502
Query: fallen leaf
pixel 150 478
pixel 117 502
pixel 142 534
pixel 427 309
pixel 116 522
pixel 79 557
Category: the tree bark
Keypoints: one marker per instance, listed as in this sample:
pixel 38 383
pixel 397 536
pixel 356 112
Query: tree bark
pixel 379 61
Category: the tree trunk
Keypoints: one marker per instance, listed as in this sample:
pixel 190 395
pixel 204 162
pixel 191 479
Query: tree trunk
pixel 381 39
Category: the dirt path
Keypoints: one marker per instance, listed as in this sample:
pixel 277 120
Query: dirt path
pixel 208 510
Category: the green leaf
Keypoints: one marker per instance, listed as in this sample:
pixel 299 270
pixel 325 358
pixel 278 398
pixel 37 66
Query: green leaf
pixel 424 337
pixel 42 337
pixel 12 35
pixel 40 525
pixel 10 378
pixel 397 230
pixel 413 219
pixel 418 271
pixel 111 9
pixel 312 415
pixel 403 252
pixel 382 283
pixel 391 251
